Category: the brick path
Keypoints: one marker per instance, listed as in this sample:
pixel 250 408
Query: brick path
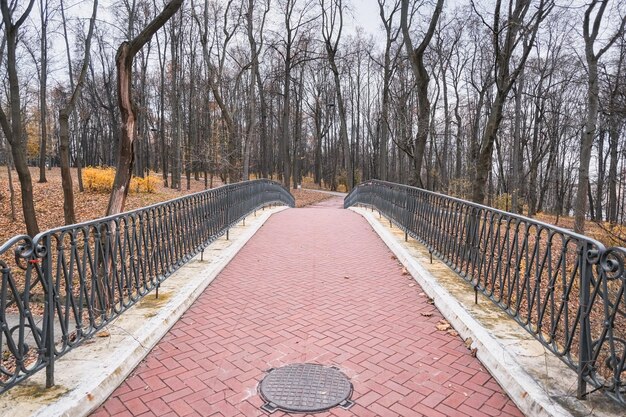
pixel 313 285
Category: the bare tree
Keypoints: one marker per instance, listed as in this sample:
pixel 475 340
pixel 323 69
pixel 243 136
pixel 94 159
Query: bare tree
pixel 332 26
pixel 215 61
pixel 44 15
pixel 391 36
pixel 291 47
pixel 591 29
pixel 12 124
pixel 64 117
pixel 416 56
pixel 124 62
pixel 519 29
pixel 616 113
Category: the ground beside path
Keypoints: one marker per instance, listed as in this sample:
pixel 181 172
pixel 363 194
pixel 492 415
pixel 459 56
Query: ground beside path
pixel 313 285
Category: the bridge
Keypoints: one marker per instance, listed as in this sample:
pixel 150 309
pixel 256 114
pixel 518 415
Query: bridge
pixel 411 303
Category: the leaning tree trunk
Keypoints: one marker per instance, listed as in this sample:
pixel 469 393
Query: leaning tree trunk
pixel 483 164
pixel 66 175
pixel 124 64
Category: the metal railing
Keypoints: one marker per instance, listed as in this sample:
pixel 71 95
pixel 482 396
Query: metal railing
pixel 564 288
pixel 64 285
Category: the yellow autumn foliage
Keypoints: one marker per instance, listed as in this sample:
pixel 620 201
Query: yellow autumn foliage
pixel 146 184
pixel 100 180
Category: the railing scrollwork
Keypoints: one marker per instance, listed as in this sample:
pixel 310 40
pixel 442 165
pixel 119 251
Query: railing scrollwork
pixel 566 289
pixel 64 285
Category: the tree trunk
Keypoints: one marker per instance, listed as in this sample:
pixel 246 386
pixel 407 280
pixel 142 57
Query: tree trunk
pixel 586 143
pixel 458 166
pixel 13 129
pixel 11 188
pixel 416 57
pixel 43 90
pixel 600 182
pixel 505 42
pixel 66 175
pixel 613 143
pixel 124 64
pixel 446 132
pixel 264 142
pixel 64 131
pixel 516 163
pixel 285 140
pixel 590 34
pixel 343 127
pixel 483 164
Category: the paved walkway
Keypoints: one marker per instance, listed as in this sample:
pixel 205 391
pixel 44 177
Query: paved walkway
pixel 313 285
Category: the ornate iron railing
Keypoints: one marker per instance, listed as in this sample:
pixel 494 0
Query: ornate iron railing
pixel 566 289
pixel 62 286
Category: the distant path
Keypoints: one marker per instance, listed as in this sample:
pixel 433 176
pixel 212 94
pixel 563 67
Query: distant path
pixel 335 193
pixel 313 285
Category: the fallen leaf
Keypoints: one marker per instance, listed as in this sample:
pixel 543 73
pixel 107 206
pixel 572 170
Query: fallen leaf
pixel 468 342
pixel 394 257
pixel 443 325
pixel 427 314
pixel 453 333
pixel 346 277
pixel 404 271
pixel 473 352
pixel 103 333
pixel 411 285
pixel 430 301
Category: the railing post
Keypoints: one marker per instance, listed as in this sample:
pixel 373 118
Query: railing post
pixel 49 309
pixel 584 342
pixel 227 213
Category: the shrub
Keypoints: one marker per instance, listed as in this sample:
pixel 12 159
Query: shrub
pixel 146 184
pixel 100 180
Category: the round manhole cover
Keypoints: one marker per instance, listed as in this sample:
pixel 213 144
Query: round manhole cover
pixel 305 388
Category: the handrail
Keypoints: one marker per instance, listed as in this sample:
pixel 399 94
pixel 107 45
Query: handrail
pixel 65 284
pixel 564 288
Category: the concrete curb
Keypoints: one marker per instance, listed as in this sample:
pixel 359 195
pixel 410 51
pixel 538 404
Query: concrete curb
pixel 93 371
pixel 501 357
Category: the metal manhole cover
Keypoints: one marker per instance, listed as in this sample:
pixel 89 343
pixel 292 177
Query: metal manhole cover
pixel 305 388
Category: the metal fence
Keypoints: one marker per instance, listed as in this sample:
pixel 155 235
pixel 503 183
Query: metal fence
pixel 566 289
pixel 62 286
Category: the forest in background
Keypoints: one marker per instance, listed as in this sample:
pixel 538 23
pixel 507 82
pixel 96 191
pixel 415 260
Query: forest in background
pixel 517 104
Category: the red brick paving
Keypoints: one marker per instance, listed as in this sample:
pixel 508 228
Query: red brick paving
pixel 313 285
